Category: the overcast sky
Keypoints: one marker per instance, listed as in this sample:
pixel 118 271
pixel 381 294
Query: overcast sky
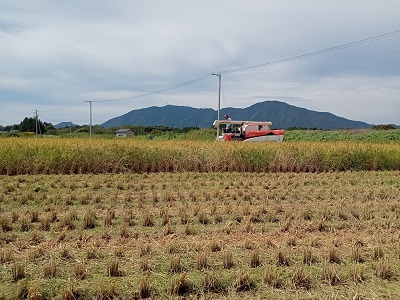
pixel 55 55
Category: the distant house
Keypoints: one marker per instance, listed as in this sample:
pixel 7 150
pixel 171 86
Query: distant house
pixel 124 132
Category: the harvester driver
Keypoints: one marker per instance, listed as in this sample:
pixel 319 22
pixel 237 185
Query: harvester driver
pixel 228 126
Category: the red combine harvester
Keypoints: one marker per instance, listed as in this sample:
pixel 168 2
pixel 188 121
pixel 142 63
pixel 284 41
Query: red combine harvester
pixel 249 131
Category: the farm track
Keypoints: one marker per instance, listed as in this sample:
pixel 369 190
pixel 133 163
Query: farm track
pixel 227 235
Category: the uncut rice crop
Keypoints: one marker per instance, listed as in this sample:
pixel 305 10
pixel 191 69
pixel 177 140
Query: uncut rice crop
pixel 80 156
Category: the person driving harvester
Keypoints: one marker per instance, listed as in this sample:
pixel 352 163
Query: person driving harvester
pixel 228 126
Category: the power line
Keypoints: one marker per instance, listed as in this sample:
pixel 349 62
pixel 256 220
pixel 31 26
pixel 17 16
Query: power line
pixel 162 90
pixel 52 121
pixel 267 64
pixel 339 47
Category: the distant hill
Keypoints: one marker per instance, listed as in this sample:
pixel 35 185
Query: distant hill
pixel 282 115
pixel 64 124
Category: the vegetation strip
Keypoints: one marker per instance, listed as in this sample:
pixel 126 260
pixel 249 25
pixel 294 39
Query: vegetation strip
pixel 80 156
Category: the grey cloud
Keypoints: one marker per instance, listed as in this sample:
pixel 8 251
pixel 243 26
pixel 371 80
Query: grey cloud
pixel 58 53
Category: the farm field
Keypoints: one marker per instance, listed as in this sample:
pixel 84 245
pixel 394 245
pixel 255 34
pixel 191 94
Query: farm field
pixel 366 135
pixel 225 235
pixel 80 156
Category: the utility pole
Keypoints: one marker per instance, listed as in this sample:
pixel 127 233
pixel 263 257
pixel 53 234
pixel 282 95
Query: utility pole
pixel 219 97
pixel 90 126
pixel 36 123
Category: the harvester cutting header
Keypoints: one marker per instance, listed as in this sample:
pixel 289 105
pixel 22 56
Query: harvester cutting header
pixel 248 131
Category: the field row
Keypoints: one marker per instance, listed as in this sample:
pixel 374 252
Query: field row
pixel 212 235
pixel 79 156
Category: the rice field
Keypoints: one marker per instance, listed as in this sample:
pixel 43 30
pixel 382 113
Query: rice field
pixel 207 235
pixel 97 156
pixel 137 219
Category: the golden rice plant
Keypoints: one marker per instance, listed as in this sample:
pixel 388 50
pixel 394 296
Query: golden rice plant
pixel 168 229
pixel 183 215
pixel 175 263
pixel 212 283
pixel 71 292
pixel 89 220
pixel 147 218
pixel 5 223
pixel 164 217
pixel 357 272
pixel 356 255
pixel 144 265
pixel 202 217
pixel 282 258
pixel 14 216
pixel 119 252
pixel 65 253
pixel 124 230
pixel 50 269
pixel 45 224
pixel 17 271
pixel 378 253
pixel 215 246
pixel 35 293
pixel 244 282
pixel 301 278
pixel 25 223
pixel 34 214
pixel 36 253
pixel 228 260
pixel 144 287
pixel 110 215
pixel 330 273
pixel 272 277
pixel 383 269
pixel 144 249
pixel 255 260
pixel 307 256
pixel 6 255
pixel 107 291
pixel 92 253
pixel 113 268
pixel 67 222
pixel 23 290
pixel 80 270
pixel 334 256
pixel 174 248
pixel 201 261
pixel 179 285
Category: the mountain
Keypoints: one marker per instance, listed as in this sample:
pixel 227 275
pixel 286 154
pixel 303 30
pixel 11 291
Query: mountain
pixel 281 114
pixel 64 124
pixel 170 115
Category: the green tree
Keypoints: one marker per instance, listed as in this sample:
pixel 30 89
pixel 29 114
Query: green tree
pixel 29 125
pixel 384 127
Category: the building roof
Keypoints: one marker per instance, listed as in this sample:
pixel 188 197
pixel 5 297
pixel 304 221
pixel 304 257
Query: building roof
pixel 123 130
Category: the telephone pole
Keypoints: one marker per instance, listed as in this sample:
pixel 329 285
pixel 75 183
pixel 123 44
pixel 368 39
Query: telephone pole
pixel 90 125
pixel 36 123
pixel 219 97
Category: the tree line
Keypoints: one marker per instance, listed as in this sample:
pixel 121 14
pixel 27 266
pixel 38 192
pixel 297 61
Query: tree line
pixel 28 125
pixel 37 126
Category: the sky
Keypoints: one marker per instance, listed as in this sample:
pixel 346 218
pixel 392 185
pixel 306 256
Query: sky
pixel 56 55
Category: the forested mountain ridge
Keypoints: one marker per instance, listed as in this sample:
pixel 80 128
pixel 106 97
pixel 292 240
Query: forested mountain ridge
pixel 281 114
